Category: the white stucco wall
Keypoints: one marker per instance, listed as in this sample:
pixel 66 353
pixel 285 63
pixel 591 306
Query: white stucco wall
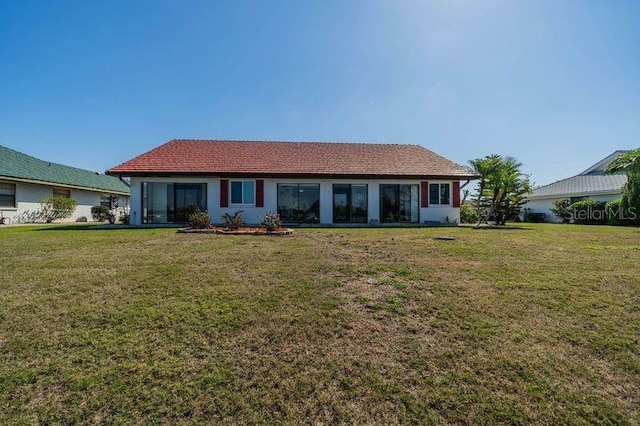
pixel 253 215
pixel 28 198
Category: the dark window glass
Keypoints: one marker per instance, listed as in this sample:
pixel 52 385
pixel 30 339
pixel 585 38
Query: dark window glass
pixel 434 193
pixel 399 203
pixel 61 192
pixel 439 193
pixel 7 194
pixel 349 203
pixel 105 200
pixel 444 193
pixel 236 192
pixel 164 202
pixel 299 203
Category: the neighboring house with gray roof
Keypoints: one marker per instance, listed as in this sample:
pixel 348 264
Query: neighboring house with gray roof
pixel 592 184
pixel 26 180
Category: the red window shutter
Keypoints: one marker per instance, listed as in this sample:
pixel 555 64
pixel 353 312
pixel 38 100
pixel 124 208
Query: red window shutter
pixel 424 194
pixel 259 193
pixel 224 193
pixel 456 194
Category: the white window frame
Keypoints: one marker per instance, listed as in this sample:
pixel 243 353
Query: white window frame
pixel 440 203
pixel 243 203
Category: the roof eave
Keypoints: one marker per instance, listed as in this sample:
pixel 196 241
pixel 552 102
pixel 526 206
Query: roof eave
pixel 62 185
pixel 574 194
pixel 396 176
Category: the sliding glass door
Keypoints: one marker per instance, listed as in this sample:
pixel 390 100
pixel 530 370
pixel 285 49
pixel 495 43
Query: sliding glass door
pixel 349 203
pixel 164 202
pixel 299 202
pixel 399 203
pixel 188 198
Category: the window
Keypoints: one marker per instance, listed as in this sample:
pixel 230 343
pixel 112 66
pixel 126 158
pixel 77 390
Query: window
pixel 7 194
pixel 61 192
pixel 105 200
pixel 243 192
pixel 299 203
pixel 439 193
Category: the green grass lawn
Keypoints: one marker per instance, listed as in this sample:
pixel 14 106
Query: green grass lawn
pixel 533 324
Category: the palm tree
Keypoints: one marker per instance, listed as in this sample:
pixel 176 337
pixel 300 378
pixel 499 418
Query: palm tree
pixel 502 187
pixel 485 168
pixel 629 164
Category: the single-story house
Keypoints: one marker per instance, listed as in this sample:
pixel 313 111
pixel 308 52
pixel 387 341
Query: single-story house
pixel 25 181
pixel 304 182
pixel 593 184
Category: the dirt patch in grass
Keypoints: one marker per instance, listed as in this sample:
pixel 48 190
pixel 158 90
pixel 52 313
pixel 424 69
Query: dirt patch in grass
pixel 245 230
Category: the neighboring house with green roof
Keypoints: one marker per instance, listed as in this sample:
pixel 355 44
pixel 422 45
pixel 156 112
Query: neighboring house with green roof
pixel 592 184
pixel 26 180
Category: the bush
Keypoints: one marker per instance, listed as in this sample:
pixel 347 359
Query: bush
pixel 562 209
pixel 271 221
pixel 468 214
pixel 54 208
pixel 200 220
pixel 99 213
pixel 589 212
pixel 616 213
pixel 536 217
pixel 125 218
pixel 233 221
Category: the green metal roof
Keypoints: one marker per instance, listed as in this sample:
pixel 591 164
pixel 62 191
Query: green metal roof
pixel 19 166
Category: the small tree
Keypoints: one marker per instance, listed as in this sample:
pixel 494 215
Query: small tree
pixel 54 208
pixel 484 168
pixel 113 214
pixel 562 209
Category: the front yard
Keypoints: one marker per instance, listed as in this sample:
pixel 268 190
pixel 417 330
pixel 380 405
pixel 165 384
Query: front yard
pixel 538 323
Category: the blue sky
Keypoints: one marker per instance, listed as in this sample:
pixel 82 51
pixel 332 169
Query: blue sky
pixel 555 84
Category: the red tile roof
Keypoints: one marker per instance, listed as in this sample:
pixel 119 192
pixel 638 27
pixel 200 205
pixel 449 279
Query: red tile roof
pixel 268 158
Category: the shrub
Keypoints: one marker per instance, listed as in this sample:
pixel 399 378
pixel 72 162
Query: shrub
pixel 199 220
pixel 562 209
pixel 536 217
pixel 54 208
pixel 271 221
pixel 617 214
pixel 99 213
pixel 589 212
pixel 233 221
pixel 125 218
pixel 468 214
pixel 112 215
pixel 81 219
